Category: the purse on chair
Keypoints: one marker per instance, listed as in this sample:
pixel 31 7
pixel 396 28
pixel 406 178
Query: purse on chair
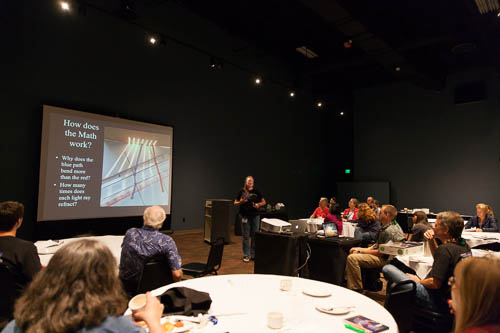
pixel 185 301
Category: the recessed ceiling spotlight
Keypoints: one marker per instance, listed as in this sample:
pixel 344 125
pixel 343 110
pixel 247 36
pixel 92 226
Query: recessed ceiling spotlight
pixel 215 63
pixel 397 69
pixel 292 93
pixel 152 40
pixel 319 104
pixel 258 80
pixel 341 113
pixel 65 6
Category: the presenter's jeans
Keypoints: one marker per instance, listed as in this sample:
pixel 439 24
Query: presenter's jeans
pixel 394 274
pixel 248 231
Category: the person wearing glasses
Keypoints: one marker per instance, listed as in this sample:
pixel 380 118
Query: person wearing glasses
pixel 475 292
pixel 433 291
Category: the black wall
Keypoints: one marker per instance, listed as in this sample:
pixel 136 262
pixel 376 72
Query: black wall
pixel 435 153
pixel 224 127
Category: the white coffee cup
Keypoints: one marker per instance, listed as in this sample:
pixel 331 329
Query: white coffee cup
pixel 275 320
pixel 286 284
pixel 137 302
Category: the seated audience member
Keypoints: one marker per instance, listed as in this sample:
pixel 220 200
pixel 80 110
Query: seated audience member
pixel 475 291
pixel 368 224
pixel 351 213
pixel 140 245
pixel 322 210
pixel 333 201
pixel 420 226
pixel 19 256
pixel 483 221
pixel 433 291
pixel 334 216
pixel 79 291
pixel 371 257
pixel 369 201
pixel 376 208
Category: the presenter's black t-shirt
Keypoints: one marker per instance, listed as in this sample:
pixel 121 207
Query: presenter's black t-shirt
pixel 253 196
pixel 22 259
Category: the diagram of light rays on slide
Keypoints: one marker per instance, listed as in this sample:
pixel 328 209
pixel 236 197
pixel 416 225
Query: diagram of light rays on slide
pixel 136 168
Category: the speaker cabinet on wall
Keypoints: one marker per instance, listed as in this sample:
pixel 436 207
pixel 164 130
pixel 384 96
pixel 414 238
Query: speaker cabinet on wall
pixel 470 92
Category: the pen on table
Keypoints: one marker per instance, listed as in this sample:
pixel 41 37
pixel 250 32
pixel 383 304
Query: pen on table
pixel 355 329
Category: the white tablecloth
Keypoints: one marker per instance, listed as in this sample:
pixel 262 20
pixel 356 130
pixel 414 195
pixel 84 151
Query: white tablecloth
pixel 422 265
pixel 251 296
pixel 46 249
pixel 480 238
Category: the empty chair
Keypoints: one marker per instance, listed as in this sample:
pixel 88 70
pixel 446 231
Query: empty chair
pixel 156 273
pixel 197 269
pixel 399 302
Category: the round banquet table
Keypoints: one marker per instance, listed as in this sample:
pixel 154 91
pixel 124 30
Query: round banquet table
pixel 241 303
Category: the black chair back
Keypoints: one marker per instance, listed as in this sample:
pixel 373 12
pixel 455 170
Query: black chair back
pixel 214 260
pixel 429 321
pixel 399 302
pixel 10 292
pixel 156 273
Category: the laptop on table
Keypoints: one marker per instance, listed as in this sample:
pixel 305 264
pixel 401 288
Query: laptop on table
pixel 330 229
pixel 298 227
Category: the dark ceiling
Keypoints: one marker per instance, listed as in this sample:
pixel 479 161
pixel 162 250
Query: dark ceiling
pixel 427 39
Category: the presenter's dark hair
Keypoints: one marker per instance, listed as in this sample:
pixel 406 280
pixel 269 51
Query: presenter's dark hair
pixel 10 213
pixel 78 289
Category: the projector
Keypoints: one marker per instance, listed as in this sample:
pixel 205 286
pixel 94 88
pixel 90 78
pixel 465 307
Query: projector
pixel 274 225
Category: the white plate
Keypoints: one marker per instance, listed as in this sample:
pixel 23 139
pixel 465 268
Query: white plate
pixel 338 310
pixel 316 292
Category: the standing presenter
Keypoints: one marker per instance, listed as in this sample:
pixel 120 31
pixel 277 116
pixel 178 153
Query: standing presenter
pixel 249 199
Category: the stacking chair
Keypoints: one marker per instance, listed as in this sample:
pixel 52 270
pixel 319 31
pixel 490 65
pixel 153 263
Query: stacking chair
pixel 400 302
pixel 156 273
pixel 214 262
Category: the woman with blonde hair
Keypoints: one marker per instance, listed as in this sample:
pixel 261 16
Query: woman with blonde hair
pixel 484 219
pixel 79 291
pixel 368 223
pixel 475 291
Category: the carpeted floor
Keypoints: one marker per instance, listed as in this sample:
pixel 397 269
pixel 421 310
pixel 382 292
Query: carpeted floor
pixel 193 248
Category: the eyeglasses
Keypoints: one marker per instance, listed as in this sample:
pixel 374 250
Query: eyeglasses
pixel 451 281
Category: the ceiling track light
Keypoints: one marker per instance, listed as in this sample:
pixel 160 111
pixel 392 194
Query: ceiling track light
pixel 291 93
pixel 152 40
pixel 320 104
pixel 258 80
pixel 216 63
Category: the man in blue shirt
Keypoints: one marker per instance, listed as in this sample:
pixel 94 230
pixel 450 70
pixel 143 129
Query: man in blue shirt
pixel 140 245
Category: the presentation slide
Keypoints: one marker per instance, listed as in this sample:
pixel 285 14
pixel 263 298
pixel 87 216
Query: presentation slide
pixel 94 166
